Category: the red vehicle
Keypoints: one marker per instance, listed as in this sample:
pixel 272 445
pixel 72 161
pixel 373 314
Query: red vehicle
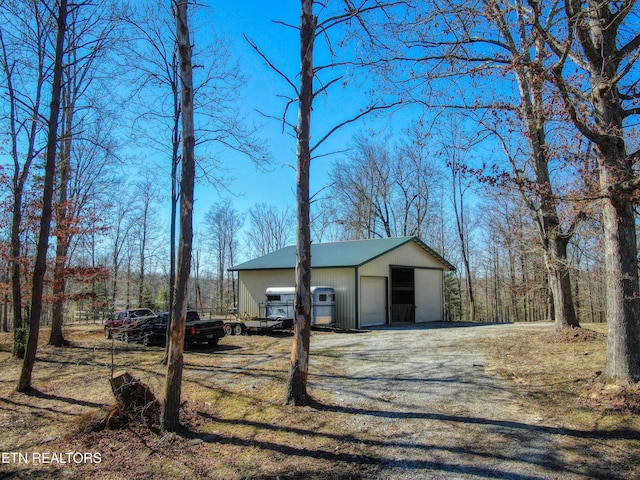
pixel 126 324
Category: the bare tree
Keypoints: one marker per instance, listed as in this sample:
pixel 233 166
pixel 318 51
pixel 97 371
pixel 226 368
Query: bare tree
pixel 526 52
pixel 270 228
pixel 299 368
pixel 363 186
pixel 24 34
pixel 309 29
pixel 497 36
pixel 218 118
pixel 146 198
pixel 222 225
pixel 599 40
pixel 455 149
pixel 417 179
pixel 173 386
pixel 88 36
pixel 40 268
pixel 380 190
pixel 120 226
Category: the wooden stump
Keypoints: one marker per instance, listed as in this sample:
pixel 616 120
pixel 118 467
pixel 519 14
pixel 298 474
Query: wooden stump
pixel 135 399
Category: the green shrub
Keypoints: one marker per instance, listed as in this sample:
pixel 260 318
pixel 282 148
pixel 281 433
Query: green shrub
pixel 20 341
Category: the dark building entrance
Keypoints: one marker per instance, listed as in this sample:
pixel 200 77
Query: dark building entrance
pixel 403 299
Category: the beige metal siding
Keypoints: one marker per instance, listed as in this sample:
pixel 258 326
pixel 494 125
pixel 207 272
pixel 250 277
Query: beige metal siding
pixel 429 298
pixel 343 281
pixel 254 283
pixel 410 255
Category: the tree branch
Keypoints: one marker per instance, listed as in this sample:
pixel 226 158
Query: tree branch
pixel 270 64
pixel 367 111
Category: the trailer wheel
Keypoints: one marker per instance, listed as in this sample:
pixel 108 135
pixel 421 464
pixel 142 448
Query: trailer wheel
pixel 228 329
pixel 237 329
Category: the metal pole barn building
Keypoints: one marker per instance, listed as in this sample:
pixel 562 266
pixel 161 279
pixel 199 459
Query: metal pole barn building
pixel 377 281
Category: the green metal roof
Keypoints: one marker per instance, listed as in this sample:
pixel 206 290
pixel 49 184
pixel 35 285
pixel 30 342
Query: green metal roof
pixel 352 253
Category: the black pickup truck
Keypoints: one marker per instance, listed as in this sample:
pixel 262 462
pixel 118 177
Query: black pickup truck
pixel 196 330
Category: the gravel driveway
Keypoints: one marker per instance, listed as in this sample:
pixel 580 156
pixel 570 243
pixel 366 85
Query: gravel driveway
pixel 425 407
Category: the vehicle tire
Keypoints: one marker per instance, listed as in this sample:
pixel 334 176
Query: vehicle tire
pixel 125 337
pixel 145 340
pixel 213 342
pixel 107 333
pixel 237 329
pixel 228 329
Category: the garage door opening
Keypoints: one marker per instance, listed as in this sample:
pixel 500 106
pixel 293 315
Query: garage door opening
pixel 403 296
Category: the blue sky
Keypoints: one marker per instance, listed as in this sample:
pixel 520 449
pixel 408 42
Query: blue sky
pixel 277 185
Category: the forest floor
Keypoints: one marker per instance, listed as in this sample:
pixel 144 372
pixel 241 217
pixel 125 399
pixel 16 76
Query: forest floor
pixel 443 401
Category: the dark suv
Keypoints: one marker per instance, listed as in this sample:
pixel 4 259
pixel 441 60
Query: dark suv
pixel 126 323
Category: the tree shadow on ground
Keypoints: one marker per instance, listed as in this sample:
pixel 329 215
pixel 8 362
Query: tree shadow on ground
pixel 434 325
pixel 369 454
pixel 615 434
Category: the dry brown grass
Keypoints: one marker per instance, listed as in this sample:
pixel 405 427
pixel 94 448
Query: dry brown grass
pixel 558 373
pixel 559 370
pixel 235 425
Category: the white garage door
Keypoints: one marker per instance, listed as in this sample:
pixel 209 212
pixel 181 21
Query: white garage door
pixel 428 292
pixel 373 301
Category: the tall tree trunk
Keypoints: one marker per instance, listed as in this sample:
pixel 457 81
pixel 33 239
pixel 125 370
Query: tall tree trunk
pixel 621 267
pixel 296 391
pixel 56 336
pixel 526 55
pixel 143 248
pixel 173 387
pixel 545 210
pixel 222 251
pixel 175 161
pixel 40 267
pixel 20 177
pixel 597 30
pixel 458 196
pixel 5 314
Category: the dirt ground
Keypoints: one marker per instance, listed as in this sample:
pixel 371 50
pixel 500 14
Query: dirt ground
pixel 444 401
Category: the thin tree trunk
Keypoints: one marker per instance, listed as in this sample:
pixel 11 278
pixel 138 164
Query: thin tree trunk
pixel 5 315
pixel 142 247
pixel 545 209
pixel 20 178
pixel 173 387
pixel 16 288
pixel 560 283
pixel 175 161
pixel 56 336
pixel 296 391
pixel 114 275
pixel 40 268
pixel 459 214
